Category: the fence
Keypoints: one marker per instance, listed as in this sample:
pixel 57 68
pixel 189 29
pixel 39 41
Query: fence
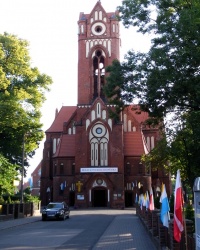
pixel 15 211
pixel 163 236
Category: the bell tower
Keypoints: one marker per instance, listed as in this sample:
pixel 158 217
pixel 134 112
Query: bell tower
pixel 98 46
pixel 89 159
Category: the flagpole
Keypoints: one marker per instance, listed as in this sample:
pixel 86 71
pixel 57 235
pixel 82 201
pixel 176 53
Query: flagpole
pixel 184 223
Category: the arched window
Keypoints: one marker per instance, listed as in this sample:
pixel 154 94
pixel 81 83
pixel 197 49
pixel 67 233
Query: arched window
pixel 99 138
pixel 99 73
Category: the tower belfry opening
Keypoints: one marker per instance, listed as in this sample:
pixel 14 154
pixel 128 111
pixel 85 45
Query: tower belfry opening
pixel 99 74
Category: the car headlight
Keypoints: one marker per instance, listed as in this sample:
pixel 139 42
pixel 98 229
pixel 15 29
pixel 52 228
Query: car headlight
pixel 60 212
pixel 44 212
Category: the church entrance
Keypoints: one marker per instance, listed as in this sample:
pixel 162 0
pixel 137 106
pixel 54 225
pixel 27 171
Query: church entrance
pixel 71 198
pixel 99 197
pixel 128 199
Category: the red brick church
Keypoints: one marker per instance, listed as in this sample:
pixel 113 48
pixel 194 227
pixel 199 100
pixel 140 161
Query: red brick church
pixel 89 160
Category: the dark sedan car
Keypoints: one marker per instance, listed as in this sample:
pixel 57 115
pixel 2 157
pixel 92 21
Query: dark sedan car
pixel 56 210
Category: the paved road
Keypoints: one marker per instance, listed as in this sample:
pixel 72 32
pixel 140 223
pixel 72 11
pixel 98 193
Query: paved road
pixel 93 229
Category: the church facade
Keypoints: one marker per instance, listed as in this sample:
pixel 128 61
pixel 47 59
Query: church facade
pixel 89 160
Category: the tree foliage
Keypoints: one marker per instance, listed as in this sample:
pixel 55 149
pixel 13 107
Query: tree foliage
pixel 22 92
pixel 166 79
pixel 8 174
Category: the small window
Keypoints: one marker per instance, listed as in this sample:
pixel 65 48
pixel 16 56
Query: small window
pixel 61 168
pixel 98 29
pixel 73 169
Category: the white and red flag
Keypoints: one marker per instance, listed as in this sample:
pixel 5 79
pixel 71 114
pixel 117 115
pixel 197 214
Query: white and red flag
pixel 178 209
pixel 151 200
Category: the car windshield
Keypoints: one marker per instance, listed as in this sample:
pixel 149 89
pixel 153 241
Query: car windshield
pixel 54 205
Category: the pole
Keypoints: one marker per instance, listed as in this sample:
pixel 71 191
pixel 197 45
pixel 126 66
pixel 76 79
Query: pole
pixel 22 175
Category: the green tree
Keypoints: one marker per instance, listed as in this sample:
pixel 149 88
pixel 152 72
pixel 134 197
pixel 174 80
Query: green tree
pixel 179 149
pixel 185 148
pixel 22 92
pixel 8 174
pixel 166 79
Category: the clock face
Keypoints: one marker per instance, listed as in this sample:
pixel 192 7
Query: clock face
pixel 98 28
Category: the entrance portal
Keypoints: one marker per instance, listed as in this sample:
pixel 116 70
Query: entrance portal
pixel 128 199
pixel 99 197
pixel 71 198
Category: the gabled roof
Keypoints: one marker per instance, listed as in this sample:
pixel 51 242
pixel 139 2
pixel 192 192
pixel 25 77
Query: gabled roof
pixel 133 144
pixel 66 147
pixel 139 115
pixel 35 171
pixel 98 5
pixel 63 116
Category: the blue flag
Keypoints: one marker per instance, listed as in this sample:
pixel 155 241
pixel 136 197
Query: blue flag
pixel 164 213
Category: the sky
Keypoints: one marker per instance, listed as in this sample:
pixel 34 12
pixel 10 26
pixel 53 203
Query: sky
pixel 50 27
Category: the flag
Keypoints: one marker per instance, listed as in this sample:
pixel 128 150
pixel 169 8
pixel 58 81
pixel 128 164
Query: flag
pixel 164 213
pixel 144 200
pixel 178 208
pixel 136 198
pixel 61 186
pixel 141 198
pixel 147 200
pixel 151 200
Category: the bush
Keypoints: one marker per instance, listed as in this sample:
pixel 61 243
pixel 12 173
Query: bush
pixel 2 201
pixel 30 198
pixel 189 212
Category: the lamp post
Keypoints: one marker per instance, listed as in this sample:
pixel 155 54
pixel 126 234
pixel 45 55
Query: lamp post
pixel 22 174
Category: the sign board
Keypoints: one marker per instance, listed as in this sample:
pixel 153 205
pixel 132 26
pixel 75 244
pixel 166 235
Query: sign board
pixel 80 197
pixel 99 170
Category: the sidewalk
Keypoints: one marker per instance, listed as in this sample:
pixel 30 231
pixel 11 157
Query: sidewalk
pixel 125 232
pixel 18 222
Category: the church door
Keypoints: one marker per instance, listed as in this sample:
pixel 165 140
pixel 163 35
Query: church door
pixel 99 197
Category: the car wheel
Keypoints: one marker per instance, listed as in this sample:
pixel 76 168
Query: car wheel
pixel 43 218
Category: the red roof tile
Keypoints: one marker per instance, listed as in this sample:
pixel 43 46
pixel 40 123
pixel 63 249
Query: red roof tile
pixel 66 147
pixel 63 116
pixel 133 144
pixel 37 168
pixel 139 115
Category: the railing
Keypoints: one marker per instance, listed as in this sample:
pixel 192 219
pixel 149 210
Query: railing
pixel 15 211
pixel 163 236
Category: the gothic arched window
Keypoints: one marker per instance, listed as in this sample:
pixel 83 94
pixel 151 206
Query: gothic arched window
pixel 99 73
pixel 99 138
